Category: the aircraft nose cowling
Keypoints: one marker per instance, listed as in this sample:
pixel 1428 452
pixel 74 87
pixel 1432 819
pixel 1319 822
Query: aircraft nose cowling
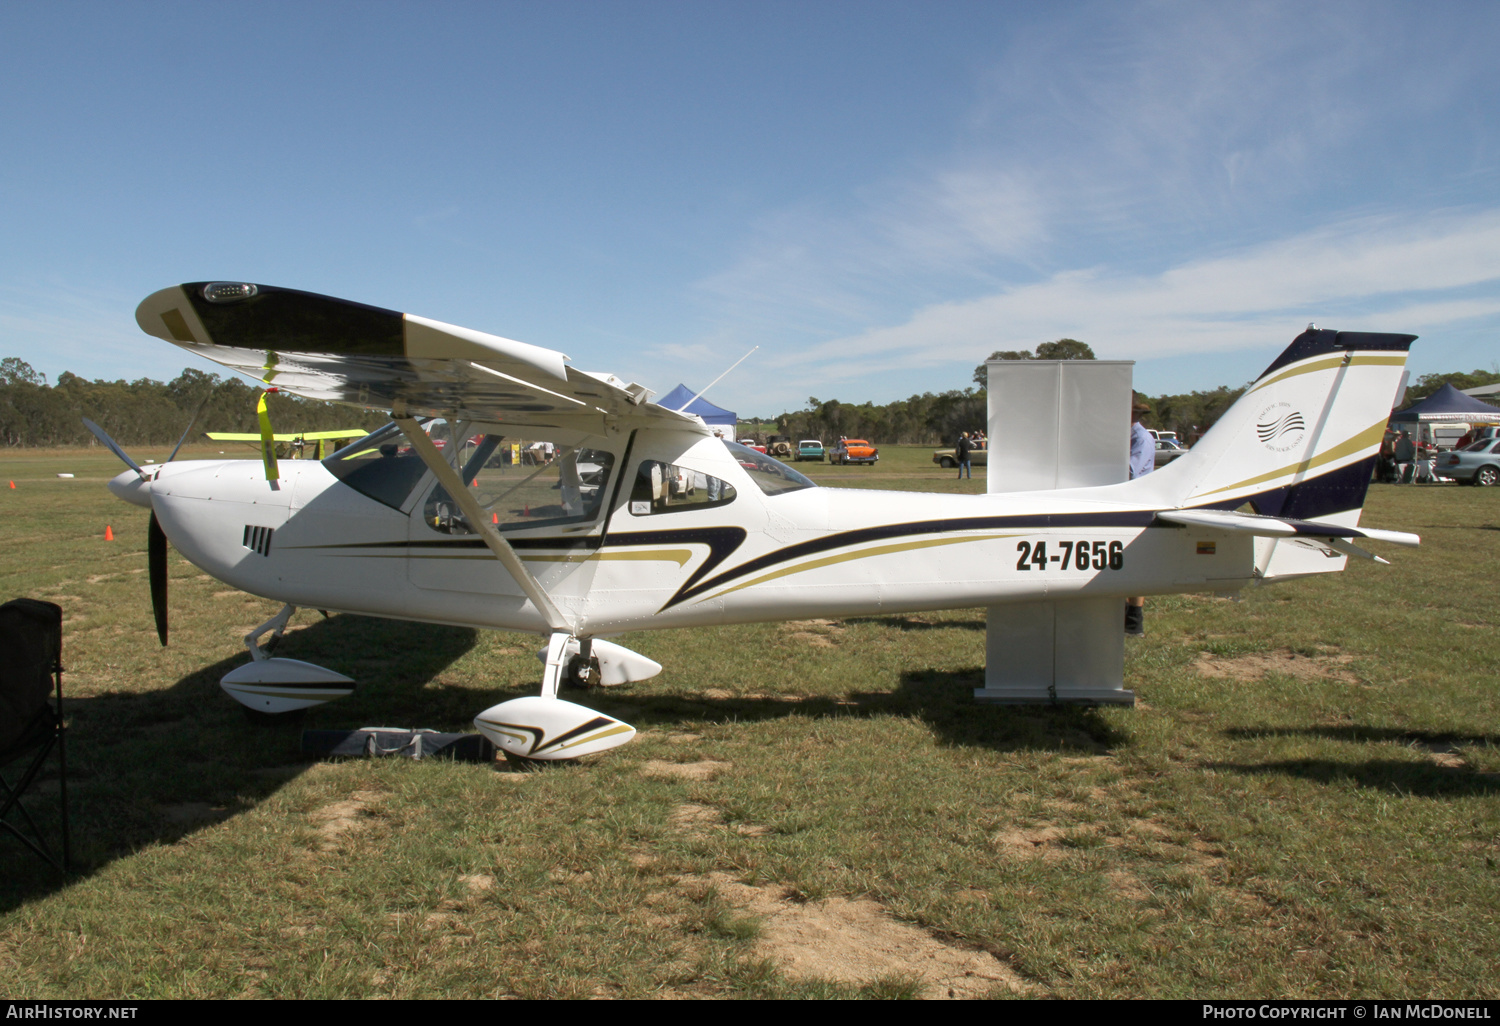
pixel 131 487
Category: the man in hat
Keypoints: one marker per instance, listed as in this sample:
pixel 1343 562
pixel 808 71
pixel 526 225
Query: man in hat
pixel 1406 457
pixel 1142 462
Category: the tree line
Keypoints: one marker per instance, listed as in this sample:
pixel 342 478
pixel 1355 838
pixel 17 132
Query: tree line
pixel 147 412
pixel 937 419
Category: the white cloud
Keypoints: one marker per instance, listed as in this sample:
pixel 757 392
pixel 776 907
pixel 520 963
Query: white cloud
pixel 1374 273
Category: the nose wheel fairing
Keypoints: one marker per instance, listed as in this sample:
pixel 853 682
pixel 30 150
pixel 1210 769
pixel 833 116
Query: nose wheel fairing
pixel 274 686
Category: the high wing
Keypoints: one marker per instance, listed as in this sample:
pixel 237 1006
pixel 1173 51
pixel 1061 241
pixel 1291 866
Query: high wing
pixel 364 356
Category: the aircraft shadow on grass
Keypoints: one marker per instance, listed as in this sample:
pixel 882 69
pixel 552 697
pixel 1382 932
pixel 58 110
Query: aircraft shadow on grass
pixel 1407 779
pixel 909 623
pixel 1359 733
pixel 943 699
pixel 152 768
pixel 1420 779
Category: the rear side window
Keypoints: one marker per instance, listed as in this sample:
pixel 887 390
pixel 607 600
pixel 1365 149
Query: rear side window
pixel 667 488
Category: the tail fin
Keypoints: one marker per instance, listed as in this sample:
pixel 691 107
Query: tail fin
pixel 1303 439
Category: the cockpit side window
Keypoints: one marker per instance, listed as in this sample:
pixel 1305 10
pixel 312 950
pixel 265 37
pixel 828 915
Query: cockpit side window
pixel 524 484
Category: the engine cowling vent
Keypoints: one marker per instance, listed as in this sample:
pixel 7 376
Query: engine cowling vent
pixel 258 539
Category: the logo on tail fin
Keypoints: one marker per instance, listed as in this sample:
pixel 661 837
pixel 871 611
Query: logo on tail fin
pixel 1280 427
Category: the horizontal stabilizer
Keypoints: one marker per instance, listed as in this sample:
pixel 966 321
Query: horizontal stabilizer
pixel 1283 527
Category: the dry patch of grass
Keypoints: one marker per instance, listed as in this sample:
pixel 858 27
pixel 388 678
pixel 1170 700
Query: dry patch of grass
pixel 1254 666
pixel 815 633
pixel 338 821
pixel 703 769
pixel 857 942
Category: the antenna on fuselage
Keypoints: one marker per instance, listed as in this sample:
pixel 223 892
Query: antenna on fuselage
pixel 716 380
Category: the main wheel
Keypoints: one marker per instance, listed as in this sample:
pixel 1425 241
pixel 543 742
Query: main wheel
pixel 1485 477
pixel 582 673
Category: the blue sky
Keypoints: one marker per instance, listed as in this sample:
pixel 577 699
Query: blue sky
pixel 876 194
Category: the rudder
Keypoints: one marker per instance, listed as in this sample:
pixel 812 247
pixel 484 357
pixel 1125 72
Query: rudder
pixel 1302 441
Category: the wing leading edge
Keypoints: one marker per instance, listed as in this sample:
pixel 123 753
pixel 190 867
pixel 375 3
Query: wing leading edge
pixel 365 356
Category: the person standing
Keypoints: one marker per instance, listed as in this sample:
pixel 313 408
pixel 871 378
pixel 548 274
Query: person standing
pixel 1142 462
pixel 1406 458
pixel 964 448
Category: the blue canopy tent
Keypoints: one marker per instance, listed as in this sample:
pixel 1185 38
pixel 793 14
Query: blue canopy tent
pixel 1447 404
pixel 712 415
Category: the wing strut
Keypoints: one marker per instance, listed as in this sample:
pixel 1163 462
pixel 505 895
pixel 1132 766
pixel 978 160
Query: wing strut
pixel 475 516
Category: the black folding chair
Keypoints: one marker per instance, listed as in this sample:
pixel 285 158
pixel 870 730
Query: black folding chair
pixel 31 716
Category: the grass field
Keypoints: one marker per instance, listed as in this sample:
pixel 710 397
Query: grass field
pixel 1305 802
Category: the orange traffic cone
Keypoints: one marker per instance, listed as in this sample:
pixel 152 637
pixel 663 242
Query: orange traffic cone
pixel 528 510
pixel 494 518
pixel 109 533
pixel 12 484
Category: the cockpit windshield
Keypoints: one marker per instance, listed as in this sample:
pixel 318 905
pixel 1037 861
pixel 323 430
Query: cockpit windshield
pixel 380 465
pixel 770 476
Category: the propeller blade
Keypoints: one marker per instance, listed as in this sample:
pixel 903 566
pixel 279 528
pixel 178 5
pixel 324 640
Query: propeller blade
pixel 191 424
pixel 110 444
pixel 156 563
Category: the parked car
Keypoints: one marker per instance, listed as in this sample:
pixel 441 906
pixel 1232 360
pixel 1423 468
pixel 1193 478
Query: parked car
pixel 854 450
pixel 979 456
pixel 810 449
pixel 1478 464
pixel 751 443
pixel 1167 450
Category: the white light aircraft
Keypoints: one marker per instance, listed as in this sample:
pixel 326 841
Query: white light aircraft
pixel 635 517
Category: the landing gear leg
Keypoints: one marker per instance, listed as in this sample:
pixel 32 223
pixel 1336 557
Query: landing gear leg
pixel 277 626
pixel 556 663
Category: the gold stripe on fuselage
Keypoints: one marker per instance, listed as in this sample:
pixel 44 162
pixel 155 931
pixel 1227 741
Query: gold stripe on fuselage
pixel 878 550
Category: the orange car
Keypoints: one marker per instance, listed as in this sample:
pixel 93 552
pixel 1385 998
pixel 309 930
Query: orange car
pixel 854 450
